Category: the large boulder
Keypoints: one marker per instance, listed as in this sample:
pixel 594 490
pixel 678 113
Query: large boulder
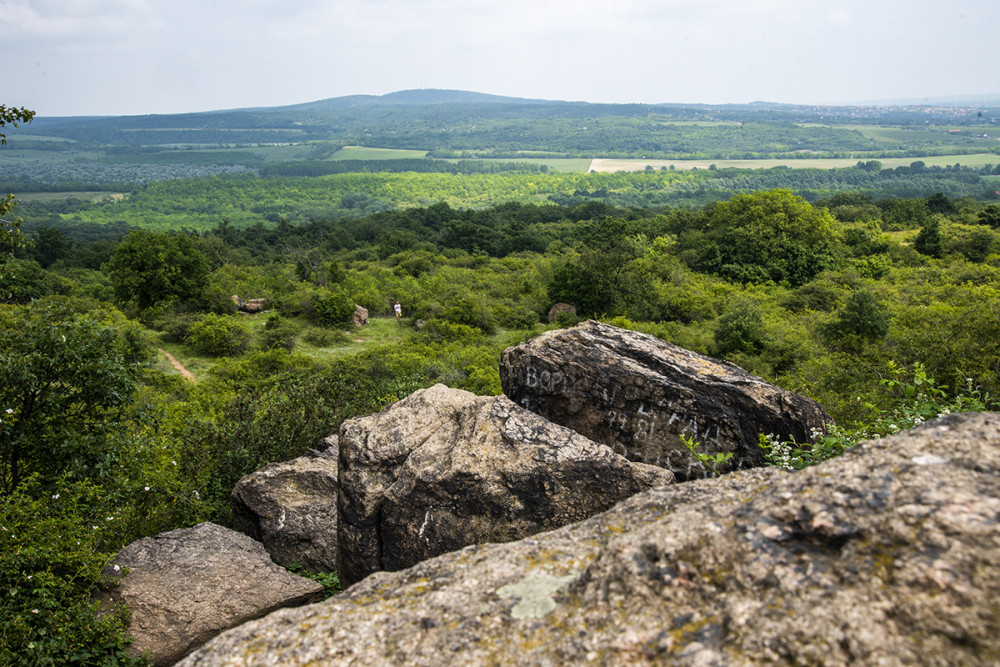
pixel 185 586
pixel 639 395
pixel 360 316
pixel 886 555
pixel 444 468
pixel 291 507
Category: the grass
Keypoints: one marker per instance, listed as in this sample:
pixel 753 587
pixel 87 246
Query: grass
pixel 364 153
pixel 380 331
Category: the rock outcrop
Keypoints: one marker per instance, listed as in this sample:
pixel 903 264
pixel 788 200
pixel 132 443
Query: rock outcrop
pixel 185 586
pixel 360 316
pixel 886 555
pixel 443 469
pixel 291 507
pixel 248 305
pixel 639 395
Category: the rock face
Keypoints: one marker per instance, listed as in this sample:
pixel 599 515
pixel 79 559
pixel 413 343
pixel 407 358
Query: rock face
pixel 444 468
pixel 639 394
pixel 185 586
pixel 291 507
pixel 886 555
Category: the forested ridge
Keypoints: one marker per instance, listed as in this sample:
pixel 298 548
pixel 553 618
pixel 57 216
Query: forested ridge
pixel 875 291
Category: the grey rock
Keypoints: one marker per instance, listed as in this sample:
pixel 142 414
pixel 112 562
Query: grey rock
pixel 443 469
pixel 185 586
pixel 886 555
pixel 291 507
pixel 639 395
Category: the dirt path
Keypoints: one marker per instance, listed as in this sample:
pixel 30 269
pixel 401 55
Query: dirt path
pixel 178 365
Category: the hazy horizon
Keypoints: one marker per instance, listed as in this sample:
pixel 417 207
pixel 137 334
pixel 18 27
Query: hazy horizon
pixel 128 57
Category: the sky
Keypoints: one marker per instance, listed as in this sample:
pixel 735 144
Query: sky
pixel 125 57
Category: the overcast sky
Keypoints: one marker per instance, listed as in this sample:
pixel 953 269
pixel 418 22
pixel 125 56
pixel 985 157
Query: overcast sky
pixel 116 57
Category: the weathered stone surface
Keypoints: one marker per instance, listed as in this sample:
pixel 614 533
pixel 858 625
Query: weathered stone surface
pixel 185 586
pixel 360 316
pixel 291 507
pixel 444 468
pixel 884 556
pixel 560 308
pixel 248 305
pixel 639 394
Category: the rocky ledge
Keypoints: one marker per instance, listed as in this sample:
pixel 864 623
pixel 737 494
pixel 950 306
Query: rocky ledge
pixel 885 555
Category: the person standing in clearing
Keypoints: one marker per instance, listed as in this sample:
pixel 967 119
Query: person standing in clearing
pixel 398 309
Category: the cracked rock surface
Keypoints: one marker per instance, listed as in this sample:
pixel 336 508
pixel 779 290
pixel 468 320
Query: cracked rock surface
pixel 443 469
pixel 185 586
pixel 885 555
pixel 639 394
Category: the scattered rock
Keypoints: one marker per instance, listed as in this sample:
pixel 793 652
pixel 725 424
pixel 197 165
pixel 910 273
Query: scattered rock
pixel 360 316
pixel 639 395
pixel 886 555
pixel 560 308
pixel 443 469
pixel 185 586
pixel 291 508
pixel 248 305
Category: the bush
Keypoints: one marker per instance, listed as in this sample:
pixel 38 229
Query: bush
pixel 51 558
pixel 219 335
pixel 740 329
pixel 279 334
pixel 862 318
pixel 333 308
pixel 325 338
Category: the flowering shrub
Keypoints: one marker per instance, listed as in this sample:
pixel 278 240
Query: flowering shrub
pixel 916 399
pixel 52 550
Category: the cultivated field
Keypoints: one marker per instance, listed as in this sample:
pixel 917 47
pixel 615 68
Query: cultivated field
pixel 613 165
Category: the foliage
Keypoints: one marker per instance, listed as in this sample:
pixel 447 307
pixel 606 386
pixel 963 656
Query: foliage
pixel 862 319
pixel 771 235
pixel 148 268
pixel 219 335
pixel 710 461
pixel 333 308
pixel 740 329
pixel 928 241
pixel 52 550
pixel 329 580
pixel 916 398
pixel 64 377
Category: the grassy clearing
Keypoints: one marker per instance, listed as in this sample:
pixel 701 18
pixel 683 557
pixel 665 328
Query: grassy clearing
pixel 365 153
pixel 380 331
pixel 89 195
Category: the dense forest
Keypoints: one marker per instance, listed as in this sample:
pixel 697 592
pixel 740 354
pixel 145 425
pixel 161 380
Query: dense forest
pixel 875 291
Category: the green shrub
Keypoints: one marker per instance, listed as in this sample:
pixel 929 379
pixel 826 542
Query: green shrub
pixel 740 329
pixel 278 334
pixel 325 338
pixel 333 308
pixel 51 556
pixel 219 335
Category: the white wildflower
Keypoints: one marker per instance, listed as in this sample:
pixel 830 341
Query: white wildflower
pixel 55 496
pixel 146 488
pixel 34 611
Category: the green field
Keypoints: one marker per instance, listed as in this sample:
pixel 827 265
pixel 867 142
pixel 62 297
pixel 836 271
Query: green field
pixel 365 153
pixel 976 160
